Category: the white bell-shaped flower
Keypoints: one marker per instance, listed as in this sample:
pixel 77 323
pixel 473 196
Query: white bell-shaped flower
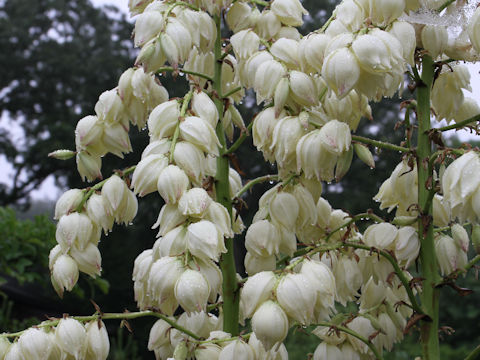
pixel 71 337
pixel 162 278
pixel 172 183
pixel 297 297
pixel 270 324
pixel 205 108
pixel 190 159
pixel 35 344
pixel 407 245
pixel 381 236
pixel 199 132
pixel 237 350
pixel 89 260
pixel 289 12
pixel 256 290
pixel 163 119
pixel 194 202
pixel 262 239
pixel 205 241
pixel 245 43
pixel 192 291
pixel 341 71
pixel 474 30
pixel 98 344
pixel 146 174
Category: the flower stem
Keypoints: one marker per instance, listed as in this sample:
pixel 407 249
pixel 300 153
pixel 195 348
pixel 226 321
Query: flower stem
pixel 170 68
pixel 222 189
pixel 112 316
pixel 475 354
pixel 460 124
pixel 428 260
pixel 240 140
pixel 256 181
pixel 348 331
pixel 231 92
pixel 380 144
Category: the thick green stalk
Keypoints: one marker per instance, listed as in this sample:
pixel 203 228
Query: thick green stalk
pixel 428 259
pixel 222 188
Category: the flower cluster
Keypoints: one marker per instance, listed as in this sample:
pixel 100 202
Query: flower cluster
pixel 70 339
pixel 314 89
pixel 80 226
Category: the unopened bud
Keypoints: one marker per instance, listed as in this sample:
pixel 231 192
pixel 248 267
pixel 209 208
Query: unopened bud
pixel 62 154
pixel 364 154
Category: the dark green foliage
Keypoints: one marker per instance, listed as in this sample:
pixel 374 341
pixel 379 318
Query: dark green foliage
pixel 24 247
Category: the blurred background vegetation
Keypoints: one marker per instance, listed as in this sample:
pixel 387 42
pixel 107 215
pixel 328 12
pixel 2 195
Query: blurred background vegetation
pixel 57 57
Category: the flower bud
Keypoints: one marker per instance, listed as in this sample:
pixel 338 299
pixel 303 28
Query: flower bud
pixel 71 337
pixel 128 209
pixel 405 33
pixel 98 344
pixel 89 166
pixel 237 350
pixel 297 297
pixel 164 119
pixel 270 324
pixel 289 12
pixel 34 344
pixel 341 71
pixel 364 154
pixel 190 159
pixel 249 70
pixel 63 154
pixel 194 202
pixel 192 291
pixel 372 295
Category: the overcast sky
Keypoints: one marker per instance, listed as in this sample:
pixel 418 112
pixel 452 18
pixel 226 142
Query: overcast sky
pixel 49 191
